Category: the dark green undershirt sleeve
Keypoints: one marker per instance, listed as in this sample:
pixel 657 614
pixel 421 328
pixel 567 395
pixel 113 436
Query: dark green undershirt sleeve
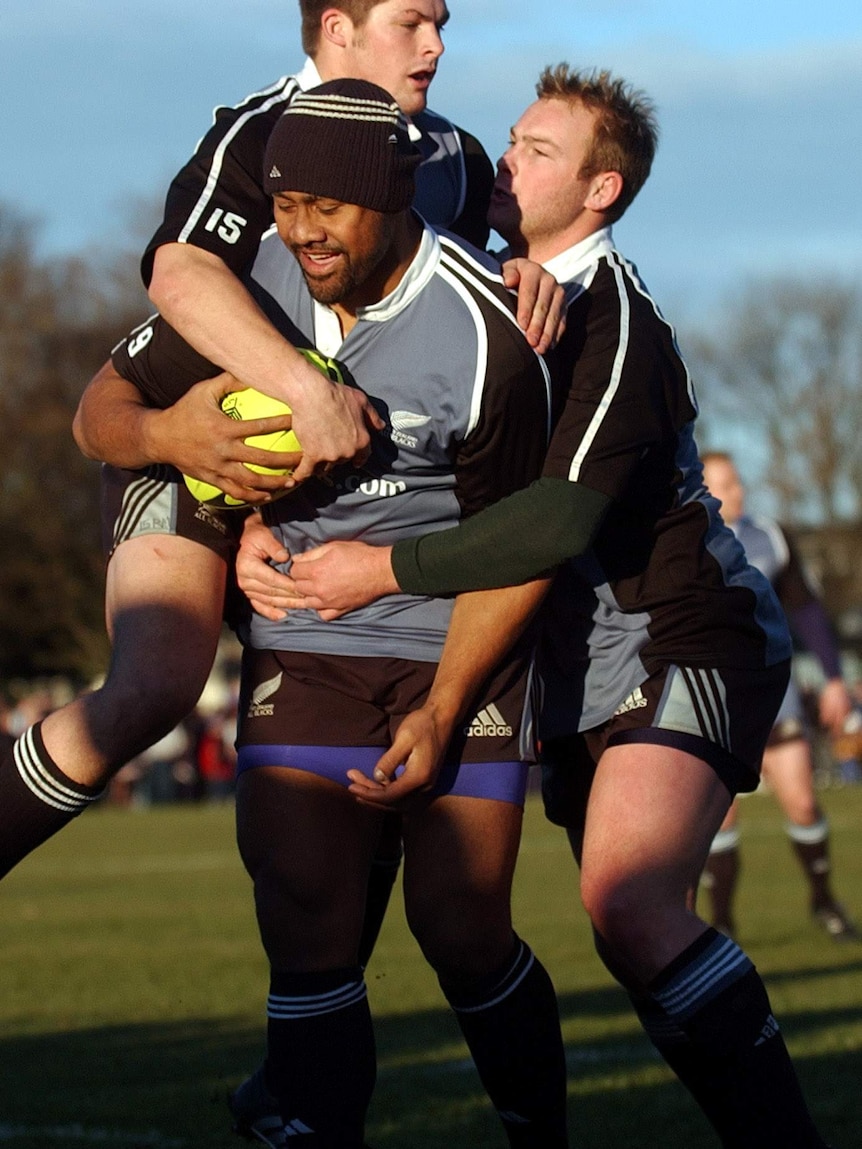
pixel 523 536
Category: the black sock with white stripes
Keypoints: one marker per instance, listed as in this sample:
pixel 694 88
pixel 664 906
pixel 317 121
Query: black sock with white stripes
pixel 36 798
pixel 321 1060
pixel 511 1024
pixel 714 995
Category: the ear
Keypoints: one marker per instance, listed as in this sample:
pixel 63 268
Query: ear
pixel 605 189
pixel 335 26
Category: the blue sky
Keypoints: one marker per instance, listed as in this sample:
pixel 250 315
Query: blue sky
pixel 760 103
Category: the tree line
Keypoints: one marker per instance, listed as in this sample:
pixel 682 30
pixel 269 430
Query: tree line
pixel 779 370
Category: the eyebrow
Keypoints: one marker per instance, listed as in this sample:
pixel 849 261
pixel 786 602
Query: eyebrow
pixel 424 15
pixel 532 138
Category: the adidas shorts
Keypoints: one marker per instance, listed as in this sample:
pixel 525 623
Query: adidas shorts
pixel 328 714
pixel 723 717
pixel 156 501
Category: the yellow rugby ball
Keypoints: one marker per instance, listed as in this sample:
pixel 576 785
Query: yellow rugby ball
pixel 252 404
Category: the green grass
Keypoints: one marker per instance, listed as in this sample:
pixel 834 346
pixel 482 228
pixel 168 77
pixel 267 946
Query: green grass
pixel 133 990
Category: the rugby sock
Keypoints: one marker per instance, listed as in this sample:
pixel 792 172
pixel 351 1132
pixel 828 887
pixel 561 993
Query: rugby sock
pixel 511 1024
pixel 811 846
pixel 677 1051
pixel 714 995
pixel 321 1061
pixel 719 879
pixel 36 798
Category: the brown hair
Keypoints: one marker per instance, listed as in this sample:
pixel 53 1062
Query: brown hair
pixel 312 10
pixel 626 129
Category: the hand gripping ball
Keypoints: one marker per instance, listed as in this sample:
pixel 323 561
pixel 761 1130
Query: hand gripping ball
pixel 252 404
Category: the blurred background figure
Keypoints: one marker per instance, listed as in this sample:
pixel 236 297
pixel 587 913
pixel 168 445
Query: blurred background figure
pixel 787 764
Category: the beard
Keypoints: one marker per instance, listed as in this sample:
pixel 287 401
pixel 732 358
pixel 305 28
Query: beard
pixel 355 274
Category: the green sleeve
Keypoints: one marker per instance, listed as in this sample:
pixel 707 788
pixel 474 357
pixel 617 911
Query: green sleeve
pixel 523 536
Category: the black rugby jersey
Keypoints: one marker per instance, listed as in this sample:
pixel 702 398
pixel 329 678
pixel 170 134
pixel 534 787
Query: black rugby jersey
pixel 217 202
pixel 665 581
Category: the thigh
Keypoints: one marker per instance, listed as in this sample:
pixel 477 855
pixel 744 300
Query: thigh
pixel 652 814
pixel 307 845
pixel 163 601
pixel 788 769
pixel 459 862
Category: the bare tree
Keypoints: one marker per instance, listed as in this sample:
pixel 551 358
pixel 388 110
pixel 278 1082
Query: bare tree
pixel 786 366
pixel 58 322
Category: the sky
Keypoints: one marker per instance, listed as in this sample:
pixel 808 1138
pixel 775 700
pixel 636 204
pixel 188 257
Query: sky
pixel 758 172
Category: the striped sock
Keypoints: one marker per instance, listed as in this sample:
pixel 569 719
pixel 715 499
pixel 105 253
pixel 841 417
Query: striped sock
pixel 511 1024
pixel 321 1060
pixel 36 798
pixel 713 994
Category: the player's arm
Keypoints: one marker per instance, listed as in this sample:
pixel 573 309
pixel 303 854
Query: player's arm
pixel 202 299
pixel 811 627
pixel 114 424
pixel 216 212
pixel 482 629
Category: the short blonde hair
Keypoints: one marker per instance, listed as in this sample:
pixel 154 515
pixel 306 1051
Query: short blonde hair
pixel 626 128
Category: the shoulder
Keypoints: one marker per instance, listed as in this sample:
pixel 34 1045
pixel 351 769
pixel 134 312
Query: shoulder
pixel 258 112
pixel 433 124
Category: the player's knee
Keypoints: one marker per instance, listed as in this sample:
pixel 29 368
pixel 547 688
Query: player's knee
pixel 619 912
pixel 461 938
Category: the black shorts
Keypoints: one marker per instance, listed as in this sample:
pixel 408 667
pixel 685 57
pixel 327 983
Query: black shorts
pixel 156 501
pixel 724 717
pixel 328 714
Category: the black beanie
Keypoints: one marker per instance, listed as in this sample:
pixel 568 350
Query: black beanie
pixel 345 140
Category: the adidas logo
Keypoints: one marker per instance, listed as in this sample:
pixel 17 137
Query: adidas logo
pixel 296 1128
pixel 769 1030
pixel 512 1118
pixel 488 723
pixel 259 708
pixel 635 701
pixel 274 173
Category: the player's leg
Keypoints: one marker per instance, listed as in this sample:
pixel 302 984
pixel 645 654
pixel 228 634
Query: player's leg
pixel 307 847
pixel 163 605
pixel 720 875
pixel 652 813
pixel 789 770
pixel 459 861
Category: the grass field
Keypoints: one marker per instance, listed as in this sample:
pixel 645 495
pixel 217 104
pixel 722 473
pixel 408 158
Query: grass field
pixel 134 986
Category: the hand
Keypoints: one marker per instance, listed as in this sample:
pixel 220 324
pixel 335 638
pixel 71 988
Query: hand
pixel 341 576
pixel 541 302
pixel 332 422
pixel 834 705
pixel 406 773
pixel 257 578
pixel 198 438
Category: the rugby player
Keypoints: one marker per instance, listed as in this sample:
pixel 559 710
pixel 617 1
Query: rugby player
pixel 787 764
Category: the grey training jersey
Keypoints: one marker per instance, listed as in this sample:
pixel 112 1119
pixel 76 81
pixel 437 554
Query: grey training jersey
pixel 466 403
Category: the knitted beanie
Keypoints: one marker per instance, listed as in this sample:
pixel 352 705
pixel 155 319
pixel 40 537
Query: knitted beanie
pixel 345 140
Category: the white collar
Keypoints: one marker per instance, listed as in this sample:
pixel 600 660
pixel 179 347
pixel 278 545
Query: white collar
pixel 569 266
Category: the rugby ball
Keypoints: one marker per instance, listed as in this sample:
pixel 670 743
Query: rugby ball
pixel 252 404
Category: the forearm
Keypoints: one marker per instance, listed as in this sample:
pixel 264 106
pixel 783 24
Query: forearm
pixel 810 623
pixel 521 537
pixel 202 299
pixel 484 626
pixel 113 424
